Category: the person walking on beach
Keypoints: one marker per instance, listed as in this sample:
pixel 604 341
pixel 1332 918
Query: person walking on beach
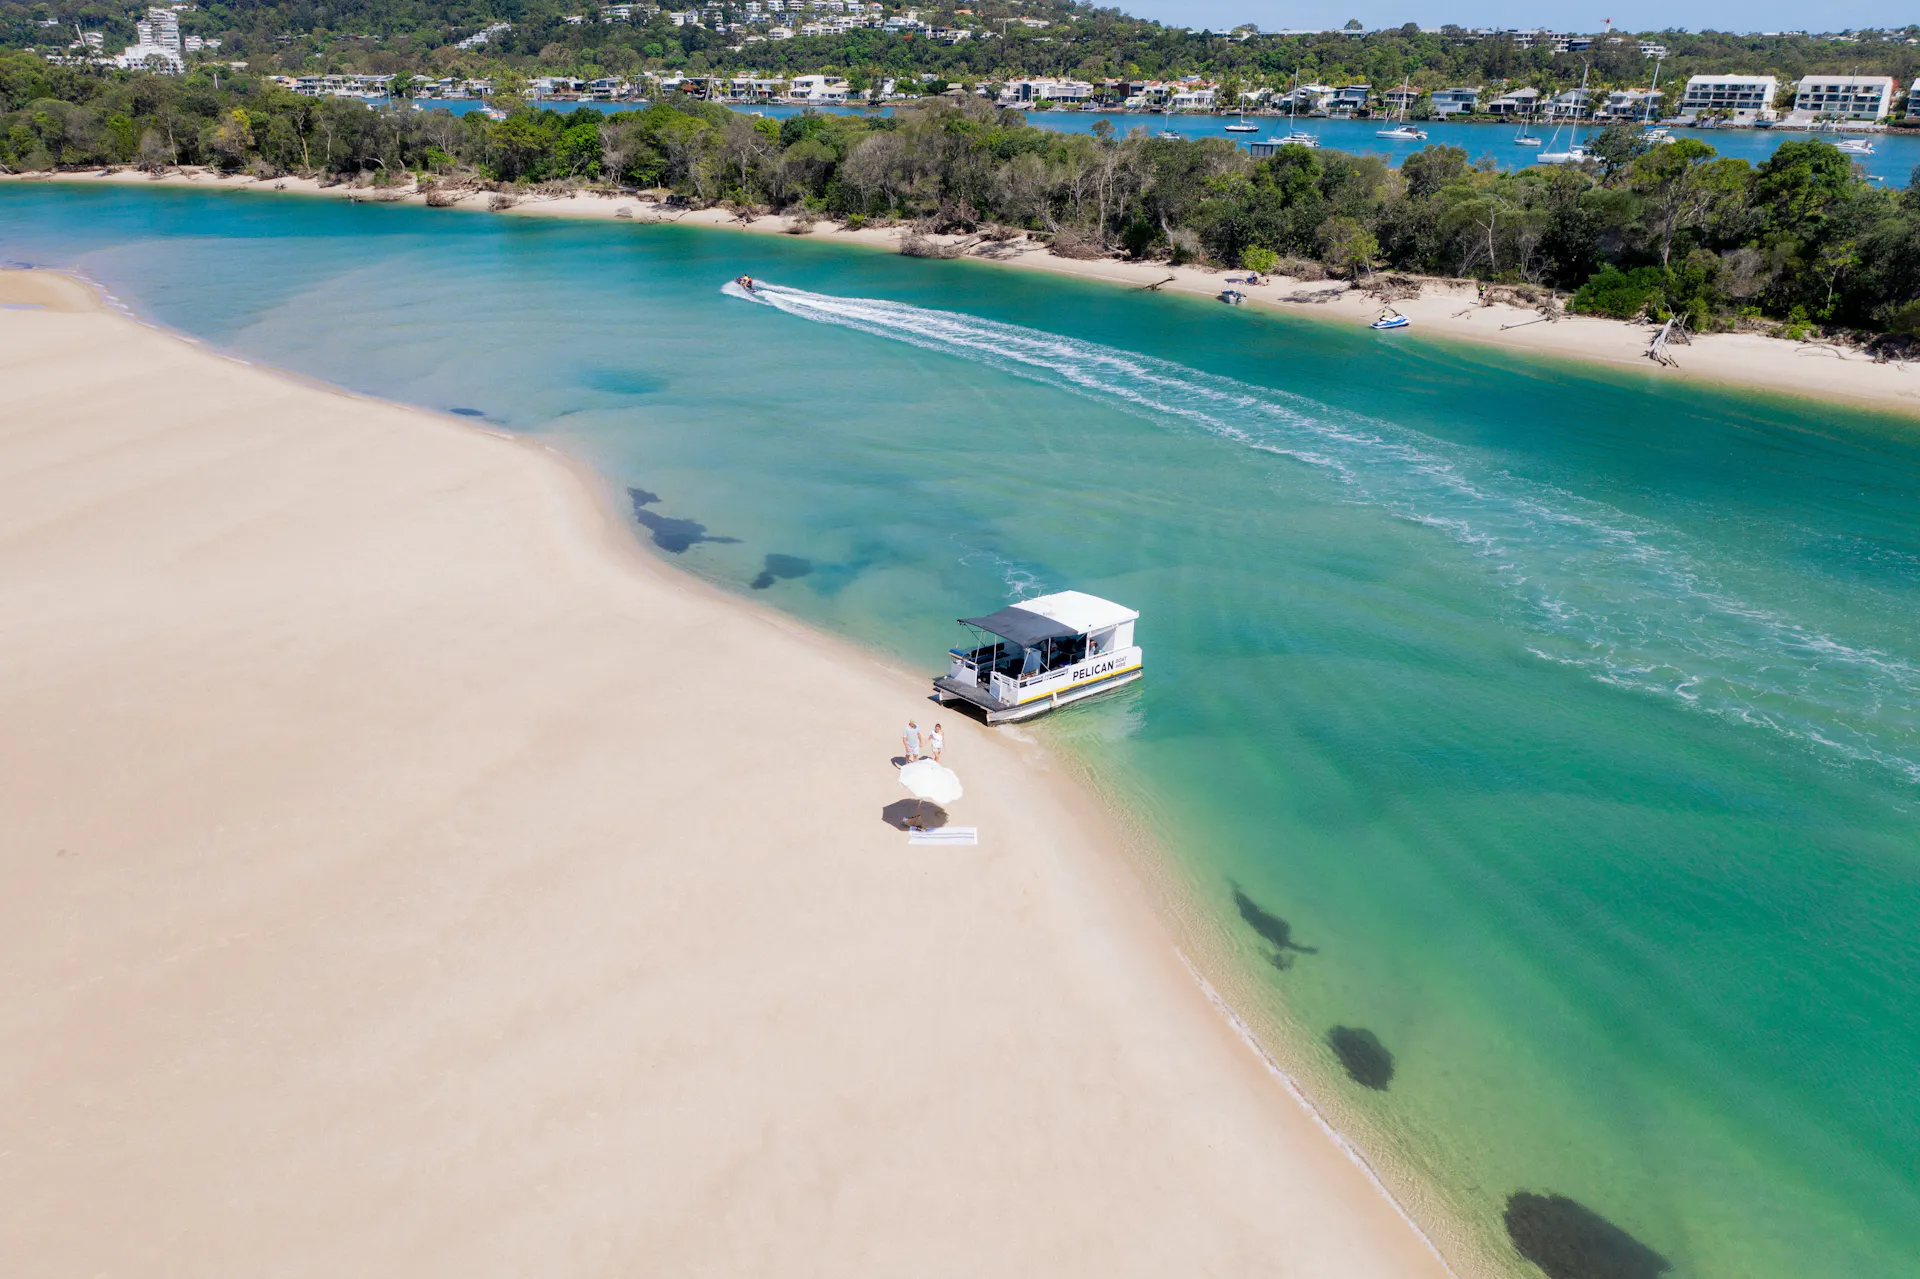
pixel 910 738
pixel 936 743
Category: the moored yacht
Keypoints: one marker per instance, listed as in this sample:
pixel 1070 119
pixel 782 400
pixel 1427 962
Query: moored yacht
pixel 1041 653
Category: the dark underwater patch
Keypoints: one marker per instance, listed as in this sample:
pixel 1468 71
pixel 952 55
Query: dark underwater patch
pixel 1275 931
pixel 669 533
pixel 467 412
pixel 1365 1059
pixel 1569 1240
pixel 621 382
pixel 779 568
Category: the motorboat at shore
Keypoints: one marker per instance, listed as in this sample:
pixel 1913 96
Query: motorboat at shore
pixel 1040 654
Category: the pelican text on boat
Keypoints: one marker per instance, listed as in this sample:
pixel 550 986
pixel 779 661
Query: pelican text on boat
pixel 1041 653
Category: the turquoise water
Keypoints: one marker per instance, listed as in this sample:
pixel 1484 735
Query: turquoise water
pixel 1550 733
pixel 1894 158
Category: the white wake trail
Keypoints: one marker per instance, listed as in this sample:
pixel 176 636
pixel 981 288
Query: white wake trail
pixel 1603 591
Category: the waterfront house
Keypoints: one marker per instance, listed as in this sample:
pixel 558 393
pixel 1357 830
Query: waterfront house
pixel 1630 104
pixel 1574 104
pixel 1844 97
pixel 1448 102
pixel 1520 102
pixel 343 86
pixel 1401 96
pixel 1192 98
pixel 817 88
pixel 1347 99
pixel 1741 98
pixel 1017 92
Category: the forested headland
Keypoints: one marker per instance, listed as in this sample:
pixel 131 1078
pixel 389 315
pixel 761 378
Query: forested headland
pixel 1800 240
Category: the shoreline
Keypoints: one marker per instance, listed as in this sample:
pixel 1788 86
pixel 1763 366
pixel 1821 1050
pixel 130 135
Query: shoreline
pixel 1074 895
pixel 1444 311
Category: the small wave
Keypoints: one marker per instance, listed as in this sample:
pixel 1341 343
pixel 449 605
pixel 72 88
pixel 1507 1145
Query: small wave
pixel 1601 591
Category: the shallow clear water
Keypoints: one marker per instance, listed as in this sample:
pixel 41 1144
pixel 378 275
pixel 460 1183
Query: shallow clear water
pixel 1555 728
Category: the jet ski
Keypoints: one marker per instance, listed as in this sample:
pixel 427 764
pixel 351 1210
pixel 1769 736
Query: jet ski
pixel 746 282
pixel 1390 319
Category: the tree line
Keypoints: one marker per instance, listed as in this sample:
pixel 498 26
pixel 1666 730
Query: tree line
pixel 1674 229
pixel 420 37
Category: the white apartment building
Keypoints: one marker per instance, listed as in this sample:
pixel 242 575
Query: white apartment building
pixel 1192 99
pixel 1844 97
pixel 480 37
pixel 1017 91
pixel 1745 98
pixel 817 88
pixel 160 27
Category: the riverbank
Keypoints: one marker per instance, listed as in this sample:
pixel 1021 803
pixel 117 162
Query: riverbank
pixel 413 875
pixel 1443 309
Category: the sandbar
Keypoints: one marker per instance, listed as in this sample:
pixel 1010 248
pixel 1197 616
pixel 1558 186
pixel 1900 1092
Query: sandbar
pixel 408 874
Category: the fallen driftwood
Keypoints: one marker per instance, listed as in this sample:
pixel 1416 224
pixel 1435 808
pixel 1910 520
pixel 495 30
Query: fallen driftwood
pixel 1155 286
pixel 1544 319
pixel 1674 330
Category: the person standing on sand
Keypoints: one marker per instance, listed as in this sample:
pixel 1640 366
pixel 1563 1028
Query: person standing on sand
pixel 936 743
pixel 910 738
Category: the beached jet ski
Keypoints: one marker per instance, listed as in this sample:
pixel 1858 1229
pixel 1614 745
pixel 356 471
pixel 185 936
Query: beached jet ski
pixel 1390 319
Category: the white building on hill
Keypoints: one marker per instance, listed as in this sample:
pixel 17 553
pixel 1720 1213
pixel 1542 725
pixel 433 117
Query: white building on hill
pixel 1844 97
pixel 1743 98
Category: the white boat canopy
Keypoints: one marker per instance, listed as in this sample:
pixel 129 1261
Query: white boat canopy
pixel 1057 616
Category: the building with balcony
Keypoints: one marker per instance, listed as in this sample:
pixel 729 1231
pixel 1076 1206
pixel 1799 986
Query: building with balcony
pixel 1841 97
pixel 1742 98
pixel 1448 102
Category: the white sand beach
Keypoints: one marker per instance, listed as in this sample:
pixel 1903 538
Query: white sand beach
pixel 1445 309
pixel 409 875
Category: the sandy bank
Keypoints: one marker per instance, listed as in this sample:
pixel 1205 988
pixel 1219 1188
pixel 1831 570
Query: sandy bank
pixel 408 875
pixel 1743 360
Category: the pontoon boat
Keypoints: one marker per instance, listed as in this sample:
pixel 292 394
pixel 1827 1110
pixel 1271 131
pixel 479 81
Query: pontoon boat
pixel 1041 653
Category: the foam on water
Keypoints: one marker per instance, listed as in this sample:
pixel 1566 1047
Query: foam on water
pixel 1597 589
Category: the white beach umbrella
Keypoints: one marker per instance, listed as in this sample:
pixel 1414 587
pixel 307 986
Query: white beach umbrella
pixel 931 781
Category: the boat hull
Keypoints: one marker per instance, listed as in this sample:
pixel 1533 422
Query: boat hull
pixel 947 690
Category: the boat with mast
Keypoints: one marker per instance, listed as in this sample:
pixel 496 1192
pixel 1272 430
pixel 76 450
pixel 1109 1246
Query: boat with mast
pixel 1575 153
pixel 1297 137
pixel 1650 129
pixel 1523 138
pixel 1401 130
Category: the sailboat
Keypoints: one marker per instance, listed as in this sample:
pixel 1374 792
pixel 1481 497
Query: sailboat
pixel 1297 137
pixel 1649 130
pixel 1523 138
pixel 1243 126
pixel 1575 153
pixel 1402 131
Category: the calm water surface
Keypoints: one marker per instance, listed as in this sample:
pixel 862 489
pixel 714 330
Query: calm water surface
pixel 1895 156
pixel 1538 746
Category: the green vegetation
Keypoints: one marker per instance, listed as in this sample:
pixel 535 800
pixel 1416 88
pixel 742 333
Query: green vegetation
pixel 420 37
pixel 1672 229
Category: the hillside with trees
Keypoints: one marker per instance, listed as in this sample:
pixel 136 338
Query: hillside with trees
pixel 422 37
